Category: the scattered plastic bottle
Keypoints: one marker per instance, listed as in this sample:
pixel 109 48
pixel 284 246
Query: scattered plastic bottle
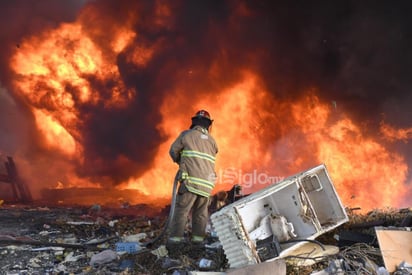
pixel 128 247
pixel 206 264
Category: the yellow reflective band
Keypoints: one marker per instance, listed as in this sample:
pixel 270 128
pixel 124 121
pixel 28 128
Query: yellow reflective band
pixel 196 238
pixel 198 192
pixel 201 182
pixel 196 154
pixel 176 239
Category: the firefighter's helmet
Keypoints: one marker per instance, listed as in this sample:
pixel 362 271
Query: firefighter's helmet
pixel 202 114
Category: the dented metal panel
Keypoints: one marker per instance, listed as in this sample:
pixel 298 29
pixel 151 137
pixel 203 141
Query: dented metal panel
pixel 300 207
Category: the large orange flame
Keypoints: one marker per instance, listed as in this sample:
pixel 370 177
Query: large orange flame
pixel 261 138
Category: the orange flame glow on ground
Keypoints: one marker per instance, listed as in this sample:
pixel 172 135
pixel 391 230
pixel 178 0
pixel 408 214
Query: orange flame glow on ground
pixel 257 134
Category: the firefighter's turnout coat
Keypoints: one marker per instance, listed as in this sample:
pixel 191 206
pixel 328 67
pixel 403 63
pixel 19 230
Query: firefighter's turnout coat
pixel 195 151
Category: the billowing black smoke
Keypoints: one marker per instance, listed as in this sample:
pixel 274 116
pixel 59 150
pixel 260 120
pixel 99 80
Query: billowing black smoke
pixel 357 53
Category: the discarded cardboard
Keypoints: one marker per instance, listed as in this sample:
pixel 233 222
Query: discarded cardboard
pixel 277 267
pixel 308 201
pixel 395 246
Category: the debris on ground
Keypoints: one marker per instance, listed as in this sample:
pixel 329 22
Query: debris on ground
pixel 107 239
pixel 66 240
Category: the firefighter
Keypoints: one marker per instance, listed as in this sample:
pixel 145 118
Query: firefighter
pixel 195 151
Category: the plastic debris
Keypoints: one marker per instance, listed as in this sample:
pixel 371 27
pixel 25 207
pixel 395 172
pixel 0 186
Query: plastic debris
pixel 403 268
pixel 206 264
pixel 160 252
pixel 215 245
pixel 168 263
pixel 126 264
pixel 71 258
pixel 48 248
pixel 128 247
pixel 382 271
pixel 135 237
pixel 112 223
pixel 106 256
pixel 80 223
pixel 180 272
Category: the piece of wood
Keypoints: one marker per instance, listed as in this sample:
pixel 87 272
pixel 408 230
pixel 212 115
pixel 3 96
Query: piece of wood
pixel 395 246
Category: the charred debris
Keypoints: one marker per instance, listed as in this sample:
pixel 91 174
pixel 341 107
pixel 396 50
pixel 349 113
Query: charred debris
pixel 297 226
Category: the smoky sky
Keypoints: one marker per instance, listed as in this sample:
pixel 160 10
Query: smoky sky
pixel 18 19
pixel 356 53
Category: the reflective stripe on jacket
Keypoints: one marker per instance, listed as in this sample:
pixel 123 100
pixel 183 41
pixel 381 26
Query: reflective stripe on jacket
pixel 195 151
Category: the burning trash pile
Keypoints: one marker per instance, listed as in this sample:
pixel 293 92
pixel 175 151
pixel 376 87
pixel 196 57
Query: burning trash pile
pixel 93 93
pixel 297 226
